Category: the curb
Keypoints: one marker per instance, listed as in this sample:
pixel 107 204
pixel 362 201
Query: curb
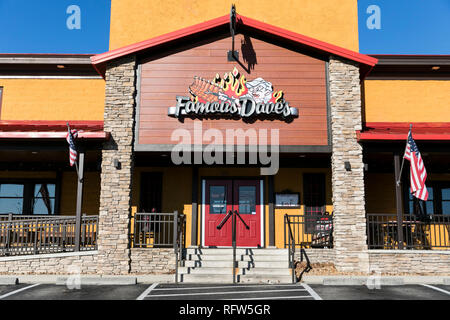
pixel 374 280
pixel 6 281
pixel 74 280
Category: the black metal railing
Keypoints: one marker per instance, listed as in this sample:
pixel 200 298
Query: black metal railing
pixel 291 252
pixel 430 232
pixel 22 235
pixel 233 215
pixel 310 230
pixel 291 246
pixel 160 230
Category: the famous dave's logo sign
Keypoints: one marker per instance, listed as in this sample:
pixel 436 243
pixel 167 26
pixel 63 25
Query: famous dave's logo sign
pixel 232 96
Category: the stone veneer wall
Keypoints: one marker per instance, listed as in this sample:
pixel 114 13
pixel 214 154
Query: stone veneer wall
pixel 348 186
pixel 59 263
pixel 115 195
pixel 318 255
pixel 152 261
pixel 410 262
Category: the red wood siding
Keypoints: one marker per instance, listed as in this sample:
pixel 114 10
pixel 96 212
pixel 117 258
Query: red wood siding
pixel 300 77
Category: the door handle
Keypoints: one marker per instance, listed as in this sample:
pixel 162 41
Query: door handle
pixel 242 220
pixel 220 225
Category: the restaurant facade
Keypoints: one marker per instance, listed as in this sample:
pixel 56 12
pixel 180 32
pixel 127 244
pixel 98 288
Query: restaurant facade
pixel 290 135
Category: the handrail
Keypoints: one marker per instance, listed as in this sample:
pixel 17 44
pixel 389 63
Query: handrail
pixel 233 214
pixel 291 253
pixel 291 249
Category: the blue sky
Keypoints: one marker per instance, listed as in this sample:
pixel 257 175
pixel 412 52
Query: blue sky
pixel 407 27
pixel 40 26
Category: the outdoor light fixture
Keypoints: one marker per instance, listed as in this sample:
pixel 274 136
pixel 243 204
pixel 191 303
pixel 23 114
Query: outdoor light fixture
pixel 347 165
pixel 60 66
pixel 366 167
pixel 117 164
pixel 435 67
pixel 233 55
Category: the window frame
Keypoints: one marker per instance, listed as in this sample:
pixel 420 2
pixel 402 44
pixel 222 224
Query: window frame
pixel 437 187
pixel 28 193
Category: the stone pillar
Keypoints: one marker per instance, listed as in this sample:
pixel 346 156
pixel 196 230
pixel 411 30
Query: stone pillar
pixel 117 168
pixel 348 186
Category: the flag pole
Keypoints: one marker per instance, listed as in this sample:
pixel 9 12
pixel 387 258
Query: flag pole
pixel 403 160
pixel 76 165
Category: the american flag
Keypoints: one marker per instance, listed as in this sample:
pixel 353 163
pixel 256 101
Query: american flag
pixel 71 135
pixel 418 174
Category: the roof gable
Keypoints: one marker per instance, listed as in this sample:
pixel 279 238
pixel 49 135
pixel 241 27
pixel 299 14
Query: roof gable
pixel 99 61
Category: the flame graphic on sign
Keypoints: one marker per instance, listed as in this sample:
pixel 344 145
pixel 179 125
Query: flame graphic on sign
pixel 229 88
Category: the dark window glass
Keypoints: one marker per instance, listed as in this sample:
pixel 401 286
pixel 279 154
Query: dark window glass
pixel 247 199
pixel 415 207
pixel 11 198
pixel 44 198
pixel 27 198
pixel 445 196
pixel 314 195
pixel 217 199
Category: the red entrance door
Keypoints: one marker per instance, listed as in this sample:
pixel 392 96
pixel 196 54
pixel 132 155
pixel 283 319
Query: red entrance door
pixel 221 196
pixel 247 202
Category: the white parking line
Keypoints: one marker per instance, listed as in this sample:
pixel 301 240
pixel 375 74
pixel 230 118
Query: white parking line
pixel 222 287
pixel 147 292
pixel 311 292
pixel 221 293
pixel 17 291
pixel 437 289
pixel 272 298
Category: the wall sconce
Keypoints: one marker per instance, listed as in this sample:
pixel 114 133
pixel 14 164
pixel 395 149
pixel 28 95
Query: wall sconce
pixel 348 166
pixel 117 164
pixel 366 167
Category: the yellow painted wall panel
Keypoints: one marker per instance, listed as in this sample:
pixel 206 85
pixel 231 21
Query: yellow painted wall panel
pixel 407 100
pixel 380 193
pixel 91 193
pixel 52 99
pixel 335 22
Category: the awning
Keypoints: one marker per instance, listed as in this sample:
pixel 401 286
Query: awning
pixel 398 131
pixel 15 129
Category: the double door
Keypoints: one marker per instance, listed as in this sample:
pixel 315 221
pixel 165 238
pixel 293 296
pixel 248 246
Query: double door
pixel 222 196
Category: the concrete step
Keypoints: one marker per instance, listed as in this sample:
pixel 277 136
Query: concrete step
pixel 241 264
pixel 267 279
pixel 239 251
pixel 229 257
pixel 267 271
pixel 206 278
pixel 207 271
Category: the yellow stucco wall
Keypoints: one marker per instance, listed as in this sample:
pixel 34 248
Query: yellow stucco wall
pixel 91 193
pixel 380 192
pixel 407 100
pixel 52 99
pixel 331 21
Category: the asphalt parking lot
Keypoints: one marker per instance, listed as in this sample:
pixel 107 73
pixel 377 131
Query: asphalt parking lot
pixel 222 292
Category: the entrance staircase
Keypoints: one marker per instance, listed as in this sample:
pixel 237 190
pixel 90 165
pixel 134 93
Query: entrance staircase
pixel 214 265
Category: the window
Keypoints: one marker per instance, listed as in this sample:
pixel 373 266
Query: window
pixel 438 200
pixel 28 197
pixel 217 199
pixel 314 195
